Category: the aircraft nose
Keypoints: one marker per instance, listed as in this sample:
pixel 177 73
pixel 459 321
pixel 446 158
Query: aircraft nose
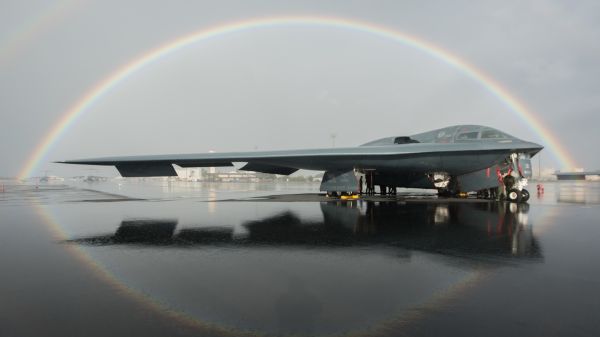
pixel 538 146
pixel 534 147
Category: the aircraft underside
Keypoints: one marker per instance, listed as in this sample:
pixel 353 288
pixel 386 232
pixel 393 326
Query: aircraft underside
pixel 505 176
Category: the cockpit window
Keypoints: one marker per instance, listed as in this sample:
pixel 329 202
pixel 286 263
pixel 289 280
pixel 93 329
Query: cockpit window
pixel 493 134
pixel 444 136
pixel 467 135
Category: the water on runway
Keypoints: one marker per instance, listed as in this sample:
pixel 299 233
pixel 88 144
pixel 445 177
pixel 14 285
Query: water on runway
pixel 190 259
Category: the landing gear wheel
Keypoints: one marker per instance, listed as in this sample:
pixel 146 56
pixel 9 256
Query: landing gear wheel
pixel 514 195
pixel 524 195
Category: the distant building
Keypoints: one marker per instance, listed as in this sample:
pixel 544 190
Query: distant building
pixel 577 174
pixel 51 179
pixel 221 174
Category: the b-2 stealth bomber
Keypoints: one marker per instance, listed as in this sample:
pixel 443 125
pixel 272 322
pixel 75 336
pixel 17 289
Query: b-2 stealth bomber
pixel 455 159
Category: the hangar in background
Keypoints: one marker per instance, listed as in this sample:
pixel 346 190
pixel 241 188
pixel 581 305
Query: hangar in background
pixel 575 175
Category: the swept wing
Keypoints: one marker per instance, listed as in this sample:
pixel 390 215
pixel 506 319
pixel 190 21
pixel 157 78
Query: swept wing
pixel 412 157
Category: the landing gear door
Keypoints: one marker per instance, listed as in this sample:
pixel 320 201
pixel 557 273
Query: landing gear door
pixel 524 162
pixel 340 181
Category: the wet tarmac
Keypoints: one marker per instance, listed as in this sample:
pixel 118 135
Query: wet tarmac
pixel 190 259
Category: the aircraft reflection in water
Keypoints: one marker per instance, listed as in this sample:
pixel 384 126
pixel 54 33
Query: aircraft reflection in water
pixel 459 229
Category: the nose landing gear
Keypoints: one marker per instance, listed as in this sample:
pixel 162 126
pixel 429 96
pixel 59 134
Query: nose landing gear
pixel 514 181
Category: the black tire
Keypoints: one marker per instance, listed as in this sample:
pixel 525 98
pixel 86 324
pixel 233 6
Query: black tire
pixel 514 195
pixel 525 195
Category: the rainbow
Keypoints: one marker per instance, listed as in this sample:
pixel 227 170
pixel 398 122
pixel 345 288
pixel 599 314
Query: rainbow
pixel 69 117
pixel 103 274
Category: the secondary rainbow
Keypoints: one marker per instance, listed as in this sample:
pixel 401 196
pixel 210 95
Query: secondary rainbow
pixel 33 27
pixel 109 82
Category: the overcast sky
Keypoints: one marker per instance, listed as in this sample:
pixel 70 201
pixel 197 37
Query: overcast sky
pixel 290 87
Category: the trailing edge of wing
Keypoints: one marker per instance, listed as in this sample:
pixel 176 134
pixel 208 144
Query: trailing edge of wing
pixel 265 168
